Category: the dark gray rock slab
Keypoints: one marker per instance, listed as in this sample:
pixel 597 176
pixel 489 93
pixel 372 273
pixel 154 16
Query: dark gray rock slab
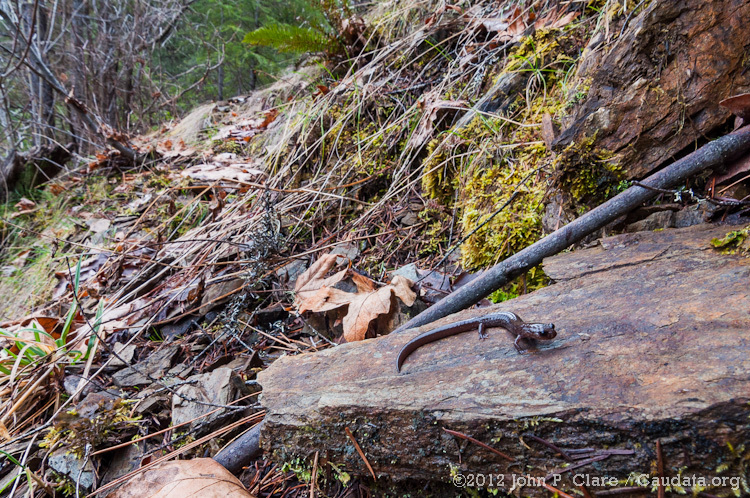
pixel 653 344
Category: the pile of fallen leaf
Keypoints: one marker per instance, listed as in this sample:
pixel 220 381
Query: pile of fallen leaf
pixel 317 293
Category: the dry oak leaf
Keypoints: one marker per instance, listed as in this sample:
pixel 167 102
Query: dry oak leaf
pixel 313 278
pixel 315 293
pixel 25 204
pixel 367 306
pixel 200 477
pixel 426 125
pixel 555 19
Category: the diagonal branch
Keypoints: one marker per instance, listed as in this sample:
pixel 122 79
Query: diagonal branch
pixel 711 155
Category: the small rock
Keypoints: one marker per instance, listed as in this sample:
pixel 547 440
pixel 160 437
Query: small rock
pixel 221 387
pixel 155 366
pixel 289 272
pixel 239 365
pixel 180 371
pixel 215 291
pixel 67 464
pixel 137 204
pixel 410 219
pixel 225 157
pixel 173 330
pixel 346 249
pixel 662 219
pixel 271 314
pixel 156 394
pixel 123 462
pixel 99 227
pixel 94 402
pixel 124 354
pixel 694 215
pixel 71 381
pixel 408 271
pixel 150 397
pixel 245 363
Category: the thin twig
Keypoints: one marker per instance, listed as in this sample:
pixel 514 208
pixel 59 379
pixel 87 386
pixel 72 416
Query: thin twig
pixel 576 465
pixel 551 446
pixel 660 470
pixel 359 450
pixel 479 443
pixel 314 477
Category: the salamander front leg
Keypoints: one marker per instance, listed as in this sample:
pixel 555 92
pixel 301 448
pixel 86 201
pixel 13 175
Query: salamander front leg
pixel 482 335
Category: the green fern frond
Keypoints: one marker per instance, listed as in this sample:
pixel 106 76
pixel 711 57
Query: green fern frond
pixel 288 38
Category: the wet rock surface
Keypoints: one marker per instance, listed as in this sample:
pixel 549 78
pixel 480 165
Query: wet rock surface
pixel 700 59
pixel 652 344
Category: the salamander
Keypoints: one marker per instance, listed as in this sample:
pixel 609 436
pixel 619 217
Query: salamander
pixel 505 319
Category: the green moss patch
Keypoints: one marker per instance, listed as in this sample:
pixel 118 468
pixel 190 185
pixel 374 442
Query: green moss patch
pixel 734 242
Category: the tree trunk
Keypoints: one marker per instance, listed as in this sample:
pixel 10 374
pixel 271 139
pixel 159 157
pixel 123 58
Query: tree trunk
pixel 40 91
pixel 78 58
pixel 220 84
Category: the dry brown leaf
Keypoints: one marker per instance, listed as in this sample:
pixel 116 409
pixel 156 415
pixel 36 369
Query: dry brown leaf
pixel 402 289
pixel 316 294
pixel 269 117
pixel 739 105
pixel 313 278
pixel 316 271
pixel 324 299
pixel 549 130
pixel 363 283
pixel 49 324
pixel 515 28
pixel 200 477
pixel 368 306
pixel 733 171
pixel 363 309
pixel 555 19
pixel 429 116
pixel 25 204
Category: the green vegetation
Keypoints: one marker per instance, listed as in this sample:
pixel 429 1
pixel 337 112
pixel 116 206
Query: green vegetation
pixel 286 38
pixel 32 345
pixel 734 242
pixel 211 35
pixel 589 174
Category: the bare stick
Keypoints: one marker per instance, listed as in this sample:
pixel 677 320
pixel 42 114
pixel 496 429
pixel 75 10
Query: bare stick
pixel 711 155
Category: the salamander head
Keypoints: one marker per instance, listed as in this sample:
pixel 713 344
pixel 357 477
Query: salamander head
pixel 543 331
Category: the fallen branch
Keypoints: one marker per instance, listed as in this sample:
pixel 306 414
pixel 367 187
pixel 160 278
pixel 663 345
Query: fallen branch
pixel 710 155
pixel 243 450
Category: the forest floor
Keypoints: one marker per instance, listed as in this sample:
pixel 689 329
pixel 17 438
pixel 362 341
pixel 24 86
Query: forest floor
pixel 421 160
